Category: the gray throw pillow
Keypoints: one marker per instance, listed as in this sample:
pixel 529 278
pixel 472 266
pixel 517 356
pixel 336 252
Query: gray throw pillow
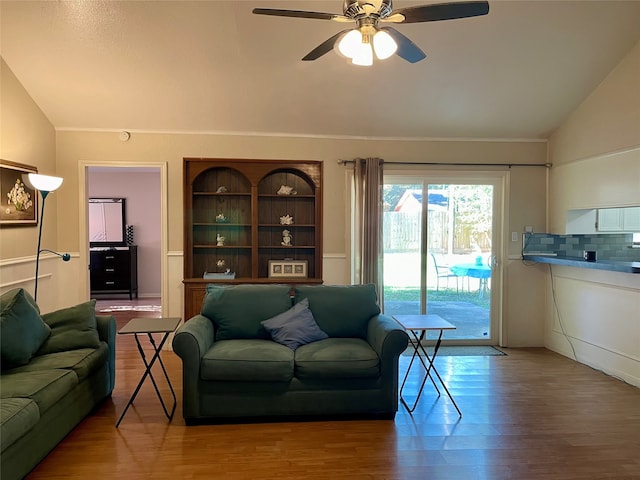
pixel 22 330
pixel 72 328
pixel 295 327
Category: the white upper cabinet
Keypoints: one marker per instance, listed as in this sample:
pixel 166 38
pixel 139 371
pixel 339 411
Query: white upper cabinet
pixel 581 222
pixel 631 219
pixel 619 219
pixel 609 220
pixel 603 220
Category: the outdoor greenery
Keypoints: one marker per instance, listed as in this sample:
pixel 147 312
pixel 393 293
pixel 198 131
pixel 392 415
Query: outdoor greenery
pixel 469 204
pixel 405 294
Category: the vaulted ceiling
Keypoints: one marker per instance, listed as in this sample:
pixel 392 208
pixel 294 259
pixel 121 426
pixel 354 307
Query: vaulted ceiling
pixel 213 66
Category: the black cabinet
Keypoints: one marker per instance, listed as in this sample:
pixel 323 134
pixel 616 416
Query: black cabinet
pixel 114 271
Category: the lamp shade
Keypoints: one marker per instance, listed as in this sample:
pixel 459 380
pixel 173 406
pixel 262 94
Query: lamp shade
pixel 384 45
pixel 363 56
pixel 44 183
pixel 349 44
pixel 356 45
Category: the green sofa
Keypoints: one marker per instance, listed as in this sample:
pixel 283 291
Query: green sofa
pixel 56 368
pixel 259 351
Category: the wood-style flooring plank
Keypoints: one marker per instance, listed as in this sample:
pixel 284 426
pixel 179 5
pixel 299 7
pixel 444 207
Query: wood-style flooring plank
pixel 532 414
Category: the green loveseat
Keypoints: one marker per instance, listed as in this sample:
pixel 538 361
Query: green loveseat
pixel 233 367
pixel 56 368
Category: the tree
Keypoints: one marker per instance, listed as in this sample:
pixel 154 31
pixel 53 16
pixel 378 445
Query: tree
pixel 473 207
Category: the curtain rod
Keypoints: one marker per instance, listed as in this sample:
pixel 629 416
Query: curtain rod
pixel 547 165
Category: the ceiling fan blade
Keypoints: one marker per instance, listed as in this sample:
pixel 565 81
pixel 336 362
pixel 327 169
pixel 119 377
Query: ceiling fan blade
pixel 406 48
pixel 439 11
pixel 324 47
pixel 300 14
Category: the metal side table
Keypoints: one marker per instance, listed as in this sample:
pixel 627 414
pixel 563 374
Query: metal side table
pixel 422 324
pixel 148 326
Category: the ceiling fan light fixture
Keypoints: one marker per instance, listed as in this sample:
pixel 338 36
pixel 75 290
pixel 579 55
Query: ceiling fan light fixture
pixel 384 45
pixel 360 43
pixel 350 43
pixel 363 56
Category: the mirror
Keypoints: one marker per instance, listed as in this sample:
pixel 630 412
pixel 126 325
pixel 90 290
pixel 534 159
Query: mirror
pixel 107 222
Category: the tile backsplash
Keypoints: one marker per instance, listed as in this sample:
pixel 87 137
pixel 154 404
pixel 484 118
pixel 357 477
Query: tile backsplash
pixel 607 246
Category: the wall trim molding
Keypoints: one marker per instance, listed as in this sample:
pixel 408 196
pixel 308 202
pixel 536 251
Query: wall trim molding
pixel 31 259
pixel 339 256
pixel 25 280
pixel 235 133
pixel 600 156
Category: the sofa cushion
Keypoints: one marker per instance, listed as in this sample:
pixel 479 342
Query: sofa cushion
pixel 237 310
pixel 83 361
pixel 8 296
pixel 71 328
pixel 337 358
pixel 294 327
pixel 17 417
pixel 45 387
pixel 341 310
pixel 247 361
pixel 22 330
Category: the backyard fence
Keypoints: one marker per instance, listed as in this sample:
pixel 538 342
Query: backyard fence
pixel 401 233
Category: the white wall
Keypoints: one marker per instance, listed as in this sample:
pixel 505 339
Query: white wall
pixel 142 193
pixel 27 136
pixel 528 199
pixel 524 205
pixel 596 158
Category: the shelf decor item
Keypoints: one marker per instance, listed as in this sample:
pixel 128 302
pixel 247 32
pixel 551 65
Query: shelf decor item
pixel 286 190
pixel 286 238
pixel 228 275
pixel 223 273
pixel 288 268
pixel 286 220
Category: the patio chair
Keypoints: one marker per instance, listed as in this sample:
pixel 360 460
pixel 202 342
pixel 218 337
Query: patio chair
pixel 442 271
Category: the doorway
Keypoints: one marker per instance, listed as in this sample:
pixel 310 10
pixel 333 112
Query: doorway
pixel 144 187
pixel 441 242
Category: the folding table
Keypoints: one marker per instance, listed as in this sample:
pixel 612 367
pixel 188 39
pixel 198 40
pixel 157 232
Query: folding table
pixel 149 326
pixel 422 324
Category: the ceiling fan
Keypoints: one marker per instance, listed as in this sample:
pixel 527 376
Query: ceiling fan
pixel 367 37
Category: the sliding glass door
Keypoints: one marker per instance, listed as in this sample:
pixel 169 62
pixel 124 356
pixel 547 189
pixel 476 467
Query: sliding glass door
pixel 440 241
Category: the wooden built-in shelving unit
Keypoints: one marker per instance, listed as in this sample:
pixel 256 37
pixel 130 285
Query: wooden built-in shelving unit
pixel 245 193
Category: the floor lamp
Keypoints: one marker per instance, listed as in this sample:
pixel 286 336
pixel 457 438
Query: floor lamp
pixel 45 184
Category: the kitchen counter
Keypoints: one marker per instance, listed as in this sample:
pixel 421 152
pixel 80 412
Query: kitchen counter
pixel 611 265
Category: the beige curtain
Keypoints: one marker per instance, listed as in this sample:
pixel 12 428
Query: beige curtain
pixel 367 189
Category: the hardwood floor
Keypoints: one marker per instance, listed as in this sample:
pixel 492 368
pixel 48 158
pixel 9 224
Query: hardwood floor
pixel 530 415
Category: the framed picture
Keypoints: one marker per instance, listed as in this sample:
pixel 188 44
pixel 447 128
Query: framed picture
pixel 288 268
pixel 18 202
